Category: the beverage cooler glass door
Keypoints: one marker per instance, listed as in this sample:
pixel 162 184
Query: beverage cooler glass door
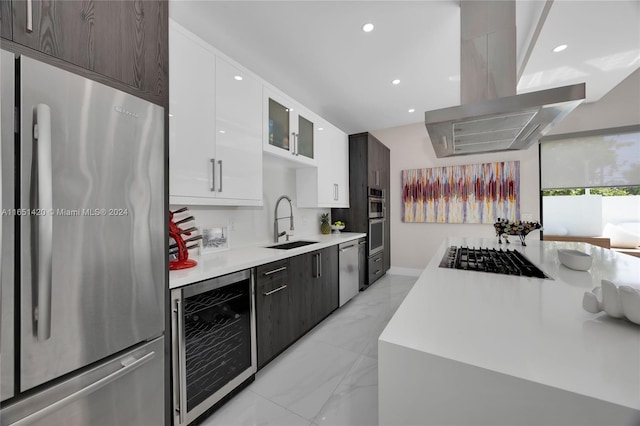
pixel 92 246
pixel 214 342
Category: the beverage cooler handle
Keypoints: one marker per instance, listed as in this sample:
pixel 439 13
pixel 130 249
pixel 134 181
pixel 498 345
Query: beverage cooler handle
pixel 43 222
pixel 179 367
pixel 127 365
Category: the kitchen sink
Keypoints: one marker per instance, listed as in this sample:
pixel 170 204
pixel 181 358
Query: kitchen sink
pixel 292 245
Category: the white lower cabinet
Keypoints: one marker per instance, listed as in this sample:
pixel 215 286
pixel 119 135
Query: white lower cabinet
pixel 215 126
pixel 326 185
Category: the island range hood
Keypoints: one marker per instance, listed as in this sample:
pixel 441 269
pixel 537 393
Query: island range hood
pixel 492 117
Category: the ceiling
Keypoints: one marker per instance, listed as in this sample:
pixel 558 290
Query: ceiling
pixel 316 52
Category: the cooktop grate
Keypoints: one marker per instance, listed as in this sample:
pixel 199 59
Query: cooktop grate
pixel 498 261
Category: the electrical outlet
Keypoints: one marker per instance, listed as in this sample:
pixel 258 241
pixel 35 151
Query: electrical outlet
pixel 232 226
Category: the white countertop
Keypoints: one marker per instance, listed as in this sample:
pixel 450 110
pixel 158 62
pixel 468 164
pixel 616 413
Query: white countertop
pixel 527 328
pixel 232 260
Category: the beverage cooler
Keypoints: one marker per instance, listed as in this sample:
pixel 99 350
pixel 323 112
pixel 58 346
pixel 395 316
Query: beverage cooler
pixel 214 343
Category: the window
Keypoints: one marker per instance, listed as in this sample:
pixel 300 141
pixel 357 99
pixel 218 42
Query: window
pixel 590 185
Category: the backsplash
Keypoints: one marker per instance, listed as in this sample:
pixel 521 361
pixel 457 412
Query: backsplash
pixel 251 225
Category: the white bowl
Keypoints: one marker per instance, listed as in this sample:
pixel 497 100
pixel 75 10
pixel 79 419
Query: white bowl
pixel 574 259
pixel 337 228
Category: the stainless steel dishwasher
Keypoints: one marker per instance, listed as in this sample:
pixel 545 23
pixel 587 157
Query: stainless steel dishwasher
pixel 348 261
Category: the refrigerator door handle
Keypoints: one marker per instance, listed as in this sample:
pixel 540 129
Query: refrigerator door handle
pixel 43 222
pixel 128 364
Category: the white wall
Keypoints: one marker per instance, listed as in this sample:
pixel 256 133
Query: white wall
pixel 573 215
pixel 251 225
pixel 619 107
pixel 413 244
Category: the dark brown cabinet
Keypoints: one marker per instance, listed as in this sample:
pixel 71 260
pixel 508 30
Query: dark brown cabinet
pixel 369 165
pixel 6 28
pixel 376 266
pixel 124 42
pixel 324 286
pixel 274 319
pixel 292 296
pixel 316 293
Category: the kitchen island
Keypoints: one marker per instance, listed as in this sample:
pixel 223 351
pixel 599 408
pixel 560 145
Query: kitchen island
pixel 475 348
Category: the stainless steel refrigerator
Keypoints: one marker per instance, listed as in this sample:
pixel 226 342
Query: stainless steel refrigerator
pixel 83 251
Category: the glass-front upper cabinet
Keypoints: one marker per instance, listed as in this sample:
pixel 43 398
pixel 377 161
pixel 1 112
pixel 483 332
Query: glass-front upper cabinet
pixel 289 129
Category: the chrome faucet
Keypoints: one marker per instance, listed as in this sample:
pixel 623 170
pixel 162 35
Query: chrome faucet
pixel 276 234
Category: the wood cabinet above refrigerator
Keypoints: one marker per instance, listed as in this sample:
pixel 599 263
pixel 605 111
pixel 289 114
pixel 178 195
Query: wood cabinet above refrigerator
pixel 120 43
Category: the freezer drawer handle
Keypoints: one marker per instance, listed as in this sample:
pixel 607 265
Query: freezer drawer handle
pixel 43 223
pixel 128 364
pixel 347 248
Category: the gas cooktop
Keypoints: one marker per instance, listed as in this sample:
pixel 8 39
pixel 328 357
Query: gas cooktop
pixel 498 261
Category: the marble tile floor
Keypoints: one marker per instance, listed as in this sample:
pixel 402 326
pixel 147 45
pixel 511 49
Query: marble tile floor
pixel 330 375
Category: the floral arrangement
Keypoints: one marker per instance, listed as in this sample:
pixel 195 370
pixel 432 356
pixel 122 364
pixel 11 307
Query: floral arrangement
pixel 505 227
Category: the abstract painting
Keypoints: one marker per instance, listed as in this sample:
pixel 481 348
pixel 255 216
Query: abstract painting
pixel 475 193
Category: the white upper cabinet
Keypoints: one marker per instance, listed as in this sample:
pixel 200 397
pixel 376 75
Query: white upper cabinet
pixel 215 125
pixel 192 101
pixel 238 133
pixel 326 185
pixel 289 129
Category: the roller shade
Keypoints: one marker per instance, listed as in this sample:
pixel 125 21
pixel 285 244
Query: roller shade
pixel 610 158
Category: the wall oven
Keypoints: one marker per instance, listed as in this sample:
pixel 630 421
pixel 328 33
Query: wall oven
pixel 376 236
pixel 376 203
pixel 214 342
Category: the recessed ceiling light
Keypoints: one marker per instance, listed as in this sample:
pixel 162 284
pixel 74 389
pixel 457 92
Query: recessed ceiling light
pixel 367 28
pixel 412 110
pixel 238 77
pixel 559 48
pixel 223 131
pixel 320 128
pixel 396 81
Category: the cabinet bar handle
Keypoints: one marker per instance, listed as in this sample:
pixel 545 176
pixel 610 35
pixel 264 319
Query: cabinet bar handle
pixel 29 16
pixel 213 175
pixel 319 264
pixel 220 164
pixel 378 260
pixel 377 272
pixel 362 243
pixel 269 293
pixel 275 270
